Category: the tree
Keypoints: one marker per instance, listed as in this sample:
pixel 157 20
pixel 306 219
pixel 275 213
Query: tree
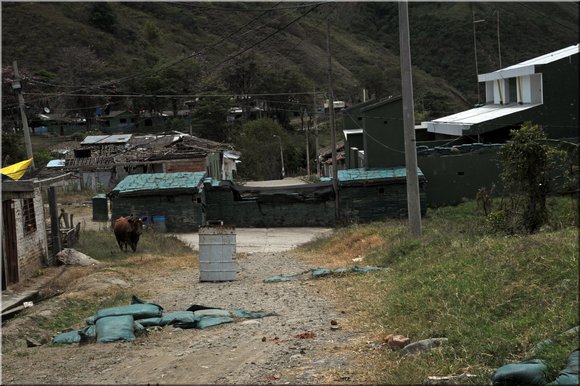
pixel 260 149
pixel 210 116
pixel 525 161
pixel 102 16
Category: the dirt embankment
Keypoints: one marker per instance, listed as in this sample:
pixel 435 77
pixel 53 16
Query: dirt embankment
pixel 297 346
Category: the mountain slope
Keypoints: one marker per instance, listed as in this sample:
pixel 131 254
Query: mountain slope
pixel 192 48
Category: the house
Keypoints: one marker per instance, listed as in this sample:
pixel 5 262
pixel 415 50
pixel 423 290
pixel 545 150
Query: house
pixel 325 158
pixel 543 90
pixel 24 239
pixel 118 120
pixel 175 199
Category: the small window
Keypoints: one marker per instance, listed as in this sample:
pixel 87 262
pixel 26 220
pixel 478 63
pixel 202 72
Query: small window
pixel 148 122
pixel 381 190
pixel 123 120
pixel 198 200
pixel 170 198
pixel 28 215
pixel 460 173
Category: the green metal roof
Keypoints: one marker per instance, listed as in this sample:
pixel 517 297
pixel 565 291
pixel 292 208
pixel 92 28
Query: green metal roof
pixel 353 175
pixel 160 182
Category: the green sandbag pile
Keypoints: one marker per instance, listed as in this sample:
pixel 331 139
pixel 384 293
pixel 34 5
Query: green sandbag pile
pixel 124 323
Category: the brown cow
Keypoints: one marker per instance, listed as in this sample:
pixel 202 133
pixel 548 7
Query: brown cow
pixel 127 231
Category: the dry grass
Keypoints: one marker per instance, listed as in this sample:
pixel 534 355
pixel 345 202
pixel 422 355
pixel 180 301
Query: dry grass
pixel 341 251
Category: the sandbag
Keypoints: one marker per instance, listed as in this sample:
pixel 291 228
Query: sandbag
pixel 279 278
pixel 150 322
pixel 181 319
pixel 569 375
pixel 209 321
pixel 115 328
pixel 212 312
pixel 137 311
pixel 67 338
pixel 366 268
pixel 321 272
pixel 238 312
pixel 530 373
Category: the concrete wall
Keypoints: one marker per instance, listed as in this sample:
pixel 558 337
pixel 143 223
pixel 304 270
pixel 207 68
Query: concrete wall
pixel 183 213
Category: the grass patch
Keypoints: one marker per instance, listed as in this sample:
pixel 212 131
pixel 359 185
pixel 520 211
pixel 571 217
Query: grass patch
pixel 102 245
pixel 74 311
pixel 494 297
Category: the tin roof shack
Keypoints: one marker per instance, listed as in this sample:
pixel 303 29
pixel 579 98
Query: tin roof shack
pixel 287 206
pixel 24 239
pixel 375 194
pixel 103 161
pixel 176 198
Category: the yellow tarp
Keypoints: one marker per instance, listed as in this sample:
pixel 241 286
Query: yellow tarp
pixel 17 170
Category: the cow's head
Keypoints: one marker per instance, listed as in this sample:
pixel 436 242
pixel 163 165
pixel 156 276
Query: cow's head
pixel 137 224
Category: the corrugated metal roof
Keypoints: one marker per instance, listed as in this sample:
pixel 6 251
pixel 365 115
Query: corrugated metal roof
pixel 528 67
pixel 56 163
pixel 456 124
pixel 363 174
pixel 106 139
pixel 182 181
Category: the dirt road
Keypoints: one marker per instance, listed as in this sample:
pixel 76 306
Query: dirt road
pixel 298 346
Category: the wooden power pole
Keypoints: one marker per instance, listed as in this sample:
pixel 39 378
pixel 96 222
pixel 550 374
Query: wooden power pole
pixel 413 198
pixel 332 128
pixel 316 134
pixel 17 86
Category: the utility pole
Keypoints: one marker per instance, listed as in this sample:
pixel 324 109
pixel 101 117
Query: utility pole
pixel 475 50
pixel 315 133
pixel 413 198
pixel 498 44
pixel 332 128
pixel 17 86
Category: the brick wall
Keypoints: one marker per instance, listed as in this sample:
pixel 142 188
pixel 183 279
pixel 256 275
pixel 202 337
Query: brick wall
pixel 32 246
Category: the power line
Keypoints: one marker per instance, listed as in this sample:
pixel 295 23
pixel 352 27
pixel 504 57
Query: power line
pixel 176 95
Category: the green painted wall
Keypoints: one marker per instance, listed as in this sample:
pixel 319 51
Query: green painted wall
pixel 384 134
pixel 366 203
pixel 353 117
pixel 182 212
pixel 221 205
pixel 559 114
pixel 451 178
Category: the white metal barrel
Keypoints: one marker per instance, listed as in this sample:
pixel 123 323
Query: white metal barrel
pixel 217 253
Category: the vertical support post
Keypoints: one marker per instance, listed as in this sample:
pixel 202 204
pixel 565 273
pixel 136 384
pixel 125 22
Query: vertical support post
pixel 308 148
pixel 54 221
pixel 413 198
pixel 332 128
pixel 22 105
pixel 316 134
